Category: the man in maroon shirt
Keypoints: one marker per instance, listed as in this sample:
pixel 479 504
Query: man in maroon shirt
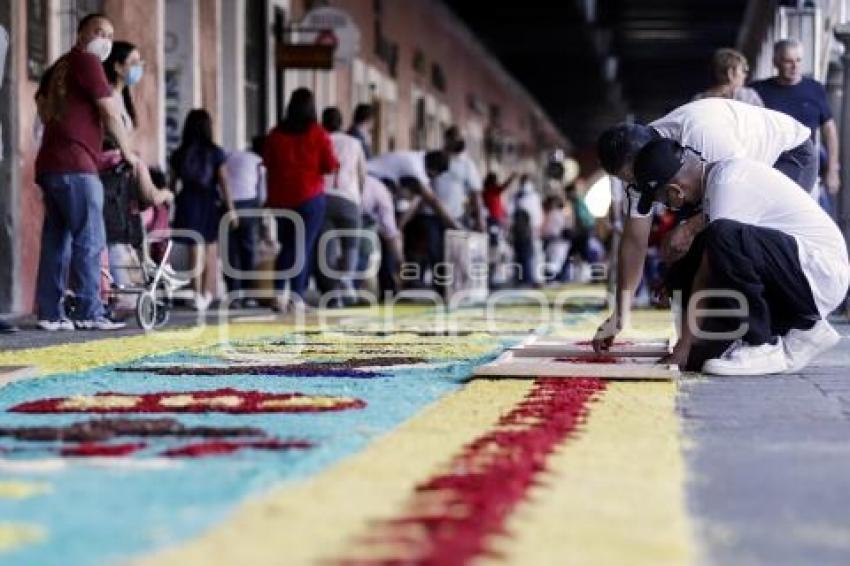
pixel 75 102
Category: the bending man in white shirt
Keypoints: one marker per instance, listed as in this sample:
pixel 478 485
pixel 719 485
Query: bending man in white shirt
pixel 717 129
pixel 768 251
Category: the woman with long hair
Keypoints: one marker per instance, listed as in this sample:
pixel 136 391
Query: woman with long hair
pixel 198 164
pixel 127 190
pixel 297 154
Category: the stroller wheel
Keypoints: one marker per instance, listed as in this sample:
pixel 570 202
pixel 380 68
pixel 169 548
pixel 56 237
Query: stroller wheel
pixel 164 297
pixel 146 311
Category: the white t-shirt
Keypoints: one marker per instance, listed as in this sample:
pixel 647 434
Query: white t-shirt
pixel 245 175
pixel 346 182
pixel 398 164
pixel 742 94
pixel 454 187
pixel 529 200
pixel 378 203
pixel 751 192
pixel 554 223
pixel 719 128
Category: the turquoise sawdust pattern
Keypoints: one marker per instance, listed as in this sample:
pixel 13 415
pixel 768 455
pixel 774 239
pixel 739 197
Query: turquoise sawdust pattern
pixel 98 515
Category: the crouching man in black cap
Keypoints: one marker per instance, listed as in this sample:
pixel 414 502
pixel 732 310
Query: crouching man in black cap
pixel 769 267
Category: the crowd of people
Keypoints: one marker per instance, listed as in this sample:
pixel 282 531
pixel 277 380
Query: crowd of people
pixel 301 196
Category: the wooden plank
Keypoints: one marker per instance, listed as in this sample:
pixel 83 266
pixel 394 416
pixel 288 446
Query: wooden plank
pixel 546 347
pixel 8 374
pixel 509 365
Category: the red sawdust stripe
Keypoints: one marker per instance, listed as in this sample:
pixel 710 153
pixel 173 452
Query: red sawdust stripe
pixel 450 517
pixel 85 449
pixel 215 401
pixel 592 359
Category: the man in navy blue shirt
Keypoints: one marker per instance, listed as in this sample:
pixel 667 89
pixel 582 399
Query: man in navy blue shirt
pixel 802 98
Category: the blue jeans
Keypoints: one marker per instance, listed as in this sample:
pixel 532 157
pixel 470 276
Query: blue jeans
pixel 341 214
pixel 800 164
pixel 241 246
pixel 312 213
pixel 73 216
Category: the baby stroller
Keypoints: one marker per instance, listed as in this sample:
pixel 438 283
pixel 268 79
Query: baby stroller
pixel 155 282
pixel 155 288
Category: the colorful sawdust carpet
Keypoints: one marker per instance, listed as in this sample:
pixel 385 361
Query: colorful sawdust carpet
pixel 359 444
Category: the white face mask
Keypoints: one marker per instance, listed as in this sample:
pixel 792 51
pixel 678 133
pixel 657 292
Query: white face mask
pixel 100 47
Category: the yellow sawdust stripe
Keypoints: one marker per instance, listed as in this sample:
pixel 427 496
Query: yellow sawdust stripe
pixel 16 535
pixel 614 493
pixel 11 489
pixel 320 518
pixel 88 355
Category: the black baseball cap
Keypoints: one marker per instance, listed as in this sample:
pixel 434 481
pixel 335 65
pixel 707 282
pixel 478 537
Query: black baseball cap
pixel 654 166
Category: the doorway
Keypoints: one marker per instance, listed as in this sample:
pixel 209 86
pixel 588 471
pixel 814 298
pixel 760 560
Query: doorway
pixel 9 182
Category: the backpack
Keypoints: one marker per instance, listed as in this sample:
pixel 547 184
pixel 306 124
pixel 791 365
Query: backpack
pixel 119 192
pixel 196 167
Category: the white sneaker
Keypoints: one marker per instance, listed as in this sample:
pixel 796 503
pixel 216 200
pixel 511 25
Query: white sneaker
pixel 285 304
pixel 743 359
pixel 54 325
pixel 99 324
pixel 201 302
pixel 281 304
pixel 801 346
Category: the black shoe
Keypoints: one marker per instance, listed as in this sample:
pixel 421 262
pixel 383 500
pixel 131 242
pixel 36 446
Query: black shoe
pixel 7 327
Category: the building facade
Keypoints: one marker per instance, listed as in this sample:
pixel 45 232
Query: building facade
pixel 415 62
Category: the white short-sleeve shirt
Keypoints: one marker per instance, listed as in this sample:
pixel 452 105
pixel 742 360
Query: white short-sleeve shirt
pixel 378 203
pixel 720 128
pixel 244 175
pixel 754 193
pixel 454 187
pixel 345 183
pixel 398 164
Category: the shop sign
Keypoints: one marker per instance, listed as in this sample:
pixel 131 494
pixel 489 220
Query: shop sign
pixel 343 27
pixel 305 56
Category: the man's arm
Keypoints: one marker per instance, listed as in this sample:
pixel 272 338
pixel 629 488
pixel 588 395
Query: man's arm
pixel 477 204
pixel 833 169
pixel 224 183
pixel 504 186
pixel 677 244
pixel 682 349
pixel 111 117
pixel 361 169
pixel 631 256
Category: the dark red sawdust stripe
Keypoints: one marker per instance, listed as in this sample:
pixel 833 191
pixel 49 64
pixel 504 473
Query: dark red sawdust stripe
pixel 220 447
pixel 451 516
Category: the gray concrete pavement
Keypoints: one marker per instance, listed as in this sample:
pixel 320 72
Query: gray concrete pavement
pixel 29 336
pixel 769 464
